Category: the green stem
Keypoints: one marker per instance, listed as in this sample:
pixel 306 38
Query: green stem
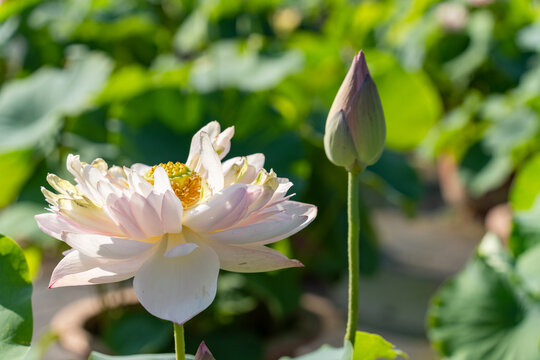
pixel 354 268
pixel 179 345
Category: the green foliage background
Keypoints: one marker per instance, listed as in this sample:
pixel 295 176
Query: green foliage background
pixel 131 81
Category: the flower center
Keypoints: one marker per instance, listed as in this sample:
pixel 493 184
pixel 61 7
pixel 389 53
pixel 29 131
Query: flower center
pixel 188 185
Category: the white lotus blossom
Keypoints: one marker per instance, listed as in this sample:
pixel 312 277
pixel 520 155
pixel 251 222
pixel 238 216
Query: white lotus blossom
pixel 172 226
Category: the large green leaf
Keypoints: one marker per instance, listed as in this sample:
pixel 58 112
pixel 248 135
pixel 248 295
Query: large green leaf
pixel 15 301
pixel 483 313
pixel 31 108
pixel 411 103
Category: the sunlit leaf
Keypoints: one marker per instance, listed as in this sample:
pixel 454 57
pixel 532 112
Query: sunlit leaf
pixel 526 186
pixel 15 301
pixel 372 347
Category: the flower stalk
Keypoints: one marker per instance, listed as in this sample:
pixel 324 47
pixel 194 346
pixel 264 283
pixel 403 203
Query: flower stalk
pixel 179 344
pixel 353 255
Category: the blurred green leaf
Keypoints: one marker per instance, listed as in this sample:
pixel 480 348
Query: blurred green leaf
pixel 137 332
pixel 17 220
pixel 227 65
pixel 526 186
pixel 19 166
pixel 372 347
pixel 481 172
pixel 192 33
pixel 395 171
pixel 15 301
pixel 31 108
pixel 411 104
pixel 481 314
pixel 528 268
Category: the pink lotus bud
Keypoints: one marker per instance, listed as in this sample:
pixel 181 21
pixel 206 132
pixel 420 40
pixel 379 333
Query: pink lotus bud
pixel 355 128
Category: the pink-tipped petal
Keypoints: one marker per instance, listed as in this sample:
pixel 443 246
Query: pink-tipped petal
pixel 176 289
pixel 251 258
pixel 54 224
pixel 78 269
pixel 293 218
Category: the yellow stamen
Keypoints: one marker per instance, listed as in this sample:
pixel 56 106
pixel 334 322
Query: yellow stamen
pixel 188 186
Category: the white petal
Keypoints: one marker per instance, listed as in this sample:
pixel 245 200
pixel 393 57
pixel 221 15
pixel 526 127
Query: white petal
pixel 145 215
pixel 232 169
pixel 210 166
pixel 120 210
pixel 138 183
pixel 88 216
pixel 222 143
pixel 251 258
pixel 78 269
pixel 176 289
pixel 54 224
pixel 140 169
pixel 223 210
pixel 161 181
pixel 295 217
pixel 105 247
pixel 171 213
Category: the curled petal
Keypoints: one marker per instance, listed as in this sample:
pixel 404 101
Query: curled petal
pixel 176 289
pixel 222 143
pixel 251 258
pixel 212 129
pixel 242 169
pixel 293 217
pixel 181 244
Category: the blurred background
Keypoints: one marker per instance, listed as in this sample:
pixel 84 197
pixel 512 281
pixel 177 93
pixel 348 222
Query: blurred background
pixel 131 81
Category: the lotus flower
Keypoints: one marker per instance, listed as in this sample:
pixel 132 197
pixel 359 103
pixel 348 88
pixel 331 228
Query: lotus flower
pixel 172 226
